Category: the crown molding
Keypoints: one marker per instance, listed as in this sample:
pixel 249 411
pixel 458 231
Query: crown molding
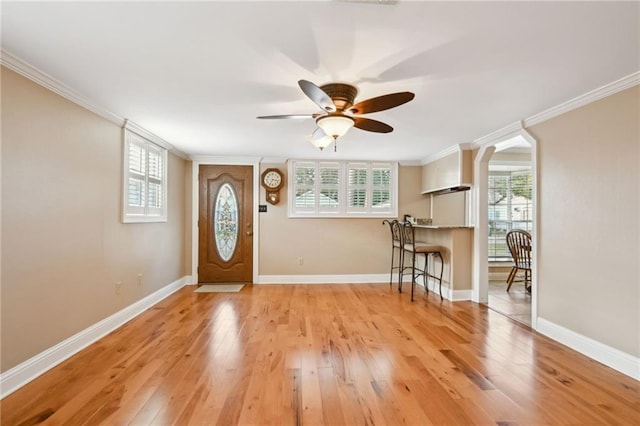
pixel 451 150
pixel 27 70
pixel 502 134
pixel 45 80
pixel 273 160
pixel 410 163
pixel 225 160
pixel 592 96
pixel 140 131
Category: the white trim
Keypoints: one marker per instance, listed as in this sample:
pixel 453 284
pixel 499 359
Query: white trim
pixel 582 100
pixel 500 135
pixel 18 376
pixel 447 292
pixel 410 162
pixel 226 160
pixel 144 133
pixel 444 153
pixel 324 279
pixel 273 160
pixel 198 160
pixel 516 128
pixel 607 355
pixel 27 70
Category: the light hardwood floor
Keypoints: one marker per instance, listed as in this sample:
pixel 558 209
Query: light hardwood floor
pixel 515 303
pixel 324 354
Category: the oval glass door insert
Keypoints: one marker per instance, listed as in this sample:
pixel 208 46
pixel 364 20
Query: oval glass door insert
pixel 225 222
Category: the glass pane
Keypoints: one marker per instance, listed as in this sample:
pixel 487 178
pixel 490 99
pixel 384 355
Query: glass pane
pixel 381 198
pixel 357 176
pixel 510 207
pixel 357 197
pixel 329 198
pixel 225 222
pixel 136 158
pixel 155 195
pixel 329 176
pixel 381 177
pixel 305 176
pixel 155 165
pixel 136 192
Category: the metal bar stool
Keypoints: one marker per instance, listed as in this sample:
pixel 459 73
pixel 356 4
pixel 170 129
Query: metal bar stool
pixel 396 245
pixel 416 248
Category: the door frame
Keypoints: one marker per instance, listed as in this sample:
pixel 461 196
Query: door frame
pixel 480 281
pixel 208 160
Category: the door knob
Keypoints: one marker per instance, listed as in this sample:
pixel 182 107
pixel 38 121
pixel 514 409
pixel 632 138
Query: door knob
pixel 249 233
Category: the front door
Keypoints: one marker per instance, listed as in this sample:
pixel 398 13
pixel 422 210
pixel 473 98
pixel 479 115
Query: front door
pixel 225 224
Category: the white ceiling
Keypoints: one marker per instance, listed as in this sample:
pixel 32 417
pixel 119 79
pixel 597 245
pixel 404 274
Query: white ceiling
pixel 197 74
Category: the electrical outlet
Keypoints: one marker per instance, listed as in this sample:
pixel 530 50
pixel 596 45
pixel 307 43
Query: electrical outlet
pixel 300 261
pixel 139 279
pixel 119 287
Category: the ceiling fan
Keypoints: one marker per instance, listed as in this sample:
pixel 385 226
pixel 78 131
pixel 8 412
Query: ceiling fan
pixel 339 113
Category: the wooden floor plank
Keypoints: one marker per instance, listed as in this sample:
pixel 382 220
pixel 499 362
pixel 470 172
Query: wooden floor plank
pixel 324 355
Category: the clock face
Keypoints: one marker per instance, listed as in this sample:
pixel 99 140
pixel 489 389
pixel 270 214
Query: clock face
pixel 272 179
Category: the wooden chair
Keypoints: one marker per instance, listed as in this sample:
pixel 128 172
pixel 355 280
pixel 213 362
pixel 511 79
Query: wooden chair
pixel 414 249
pixel 519 243
pixel 396 246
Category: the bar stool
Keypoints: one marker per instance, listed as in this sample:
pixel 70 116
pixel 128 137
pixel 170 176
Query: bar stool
pixel 396 245
pixel 416 248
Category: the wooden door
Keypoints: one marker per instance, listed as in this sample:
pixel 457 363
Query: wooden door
pixel 225 224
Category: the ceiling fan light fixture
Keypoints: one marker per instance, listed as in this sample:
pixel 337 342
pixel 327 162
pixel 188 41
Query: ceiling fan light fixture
pixel 335 126
pixel 322 142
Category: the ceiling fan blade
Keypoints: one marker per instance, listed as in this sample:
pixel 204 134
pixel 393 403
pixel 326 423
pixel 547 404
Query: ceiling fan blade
pixel 278 117
pixel 381 103
pixel 372 125
pixel 317 95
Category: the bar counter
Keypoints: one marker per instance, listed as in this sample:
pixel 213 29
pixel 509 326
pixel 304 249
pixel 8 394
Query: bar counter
pixel 458 244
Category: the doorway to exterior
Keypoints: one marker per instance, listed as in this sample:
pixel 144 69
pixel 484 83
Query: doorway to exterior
pixel 225 224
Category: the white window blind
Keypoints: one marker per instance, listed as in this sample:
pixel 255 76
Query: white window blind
pixel 145 180
pixel 342 189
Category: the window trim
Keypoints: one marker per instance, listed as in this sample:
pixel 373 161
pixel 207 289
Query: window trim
pixel 343 211
pixel 130 215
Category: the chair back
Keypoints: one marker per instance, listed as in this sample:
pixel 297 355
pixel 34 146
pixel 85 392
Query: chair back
pixel 519 243
pixel 408 235
pixel 396 232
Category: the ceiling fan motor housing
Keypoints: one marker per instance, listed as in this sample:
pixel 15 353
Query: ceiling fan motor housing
pixel 343 95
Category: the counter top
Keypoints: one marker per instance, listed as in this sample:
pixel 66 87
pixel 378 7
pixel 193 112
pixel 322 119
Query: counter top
pixel 443 226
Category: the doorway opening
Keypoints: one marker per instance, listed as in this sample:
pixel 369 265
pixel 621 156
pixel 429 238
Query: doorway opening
pixel 505 177
pixel 510 208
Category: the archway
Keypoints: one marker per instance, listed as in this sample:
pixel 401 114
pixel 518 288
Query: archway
pixel 480 285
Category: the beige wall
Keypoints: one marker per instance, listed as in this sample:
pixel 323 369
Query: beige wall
pixel 63 244
pixel 332 246
pixel 589 223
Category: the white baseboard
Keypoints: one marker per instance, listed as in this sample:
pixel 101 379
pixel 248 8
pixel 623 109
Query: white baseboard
pixel 447 293
pixel 324 279
pixel 611 357
pixel 18 376
pixel 498 276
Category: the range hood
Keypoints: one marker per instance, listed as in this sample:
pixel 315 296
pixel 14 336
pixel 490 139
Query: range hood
pixel 451 190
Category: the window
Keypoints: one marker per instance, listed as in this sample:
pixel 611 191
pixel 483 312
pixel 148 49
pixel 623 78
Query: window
pixel 145 180
pixel 342 189
pixel 510 208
